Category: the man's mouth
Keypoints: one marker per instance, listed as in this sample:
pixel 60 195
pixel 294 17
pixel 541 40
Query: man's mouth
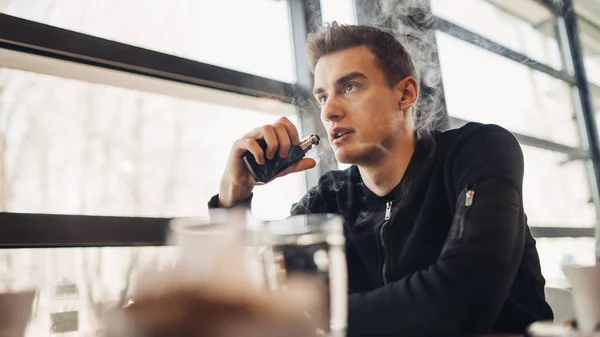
pixel 339 134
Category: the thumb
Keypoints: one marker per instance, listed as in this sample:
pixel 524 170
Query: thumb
pixel 303 165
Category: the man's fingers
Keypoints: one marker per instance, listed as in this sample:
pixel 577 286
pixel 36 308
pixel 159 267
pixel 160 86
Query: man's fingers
pixel 271 137
pixel 246 144
pixel 291 130
pixel 268 134
pixel 278 138
pixel 283 138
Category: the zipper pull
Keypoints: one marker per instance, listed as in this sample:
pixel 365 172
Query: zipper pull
pixel 469 199
pixel 388 210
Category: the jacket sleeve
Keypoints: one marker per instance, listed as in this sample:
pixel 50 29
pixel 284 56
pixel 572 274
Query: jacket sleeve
pixel 319 199
pixel 463 292
pixel 213 205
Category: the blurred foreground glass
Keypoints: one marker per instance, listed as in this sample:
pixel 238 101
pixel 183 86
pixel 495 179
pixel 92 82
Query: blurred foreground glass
pixel 18 293
pixel 102 278
pixel 313 245
pixel 234 250
pixel 227 247
pixel 585 281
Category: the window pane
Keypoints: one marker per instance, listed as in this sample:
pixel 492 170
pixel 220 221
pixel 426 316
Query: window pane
pixel 104 278
pixel 589 33
pixel 221 32
pixel 595 96
pixel 595 93
pixel 341 11
pixel 590 9
pixel 485 87
pixel 557 252
pixel 590 43
pixel 80 148
pixel 523 26
pixel 556 192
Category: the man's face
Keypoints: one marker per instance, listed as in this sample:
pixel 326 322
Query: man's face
pixel 361 112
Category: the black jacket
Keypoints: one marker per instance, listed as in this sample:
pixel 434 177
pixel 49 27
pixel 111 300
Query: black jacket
pixel 453 256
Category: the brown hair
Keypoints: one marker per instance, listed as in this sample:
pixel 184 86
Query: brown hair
pixel 392 58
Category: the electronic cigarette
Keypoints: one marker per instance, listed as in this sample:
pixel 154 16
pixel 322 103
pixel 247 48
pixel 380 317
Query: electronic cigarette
pixel 264 173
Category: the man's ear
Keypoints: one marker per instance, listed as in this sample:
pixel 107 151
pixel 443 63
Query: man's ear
pixel 407 92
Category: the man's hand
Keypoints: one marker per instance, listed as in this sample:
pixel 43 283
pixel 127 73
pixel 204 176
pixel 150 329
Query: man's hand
pixel 237 183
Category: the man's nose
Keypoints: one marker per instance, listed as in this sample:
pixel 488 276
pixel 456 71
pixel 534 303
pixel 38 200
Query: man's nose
pixel 332 110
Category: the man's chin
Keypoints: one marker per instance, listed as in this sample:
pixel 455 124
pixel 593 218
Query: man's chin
pixel 356 156
pixel 344 157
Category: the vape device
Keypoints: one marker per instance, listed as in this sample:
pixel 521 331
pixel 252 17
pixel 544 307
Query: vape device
pixel 264 173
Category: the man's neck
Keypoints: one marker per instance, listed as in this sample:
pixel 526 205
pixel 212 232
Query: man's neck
pixel 382 176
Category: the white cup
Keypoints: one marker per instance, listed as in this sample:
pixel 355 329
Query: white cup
pixel 585 283
pixel 228 248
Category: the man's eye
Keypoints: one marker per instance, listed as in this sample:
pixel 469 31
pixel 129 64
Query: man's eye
pixel 349 87
pixel 322 99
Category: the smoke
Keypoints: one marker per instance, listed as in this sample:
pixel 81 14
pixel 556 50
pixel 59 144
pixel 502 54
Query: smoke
pixel 313 10
pixel 412 23
pixel 321 154
pixel 309 113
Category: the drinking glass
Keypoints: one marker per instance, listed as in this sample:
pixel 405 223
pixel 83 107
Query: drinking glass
pixel 228 247
pixel 312 246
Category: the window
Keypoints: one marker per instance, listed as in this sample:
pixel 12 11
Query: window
pixel 341 11
pixel 595 93
pixel 523 26
pixel 588 12
pixel 485 87
pixel 75 147
pixel 556 191
pixel 558 252
pixel 225 33
pixel 590 45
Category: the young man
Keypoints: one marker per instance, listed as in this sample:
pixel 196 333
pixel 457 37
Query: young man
pixel 437 239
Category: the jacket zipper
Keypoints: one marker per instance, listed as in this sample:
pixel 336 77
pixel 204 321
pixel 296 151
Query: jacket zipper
pixel 388 211
pixel 469 195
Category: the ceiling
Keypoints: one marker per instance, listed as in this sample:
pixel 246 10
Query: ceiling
pixel 537 15
pixel 589 25
pixel 588 9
